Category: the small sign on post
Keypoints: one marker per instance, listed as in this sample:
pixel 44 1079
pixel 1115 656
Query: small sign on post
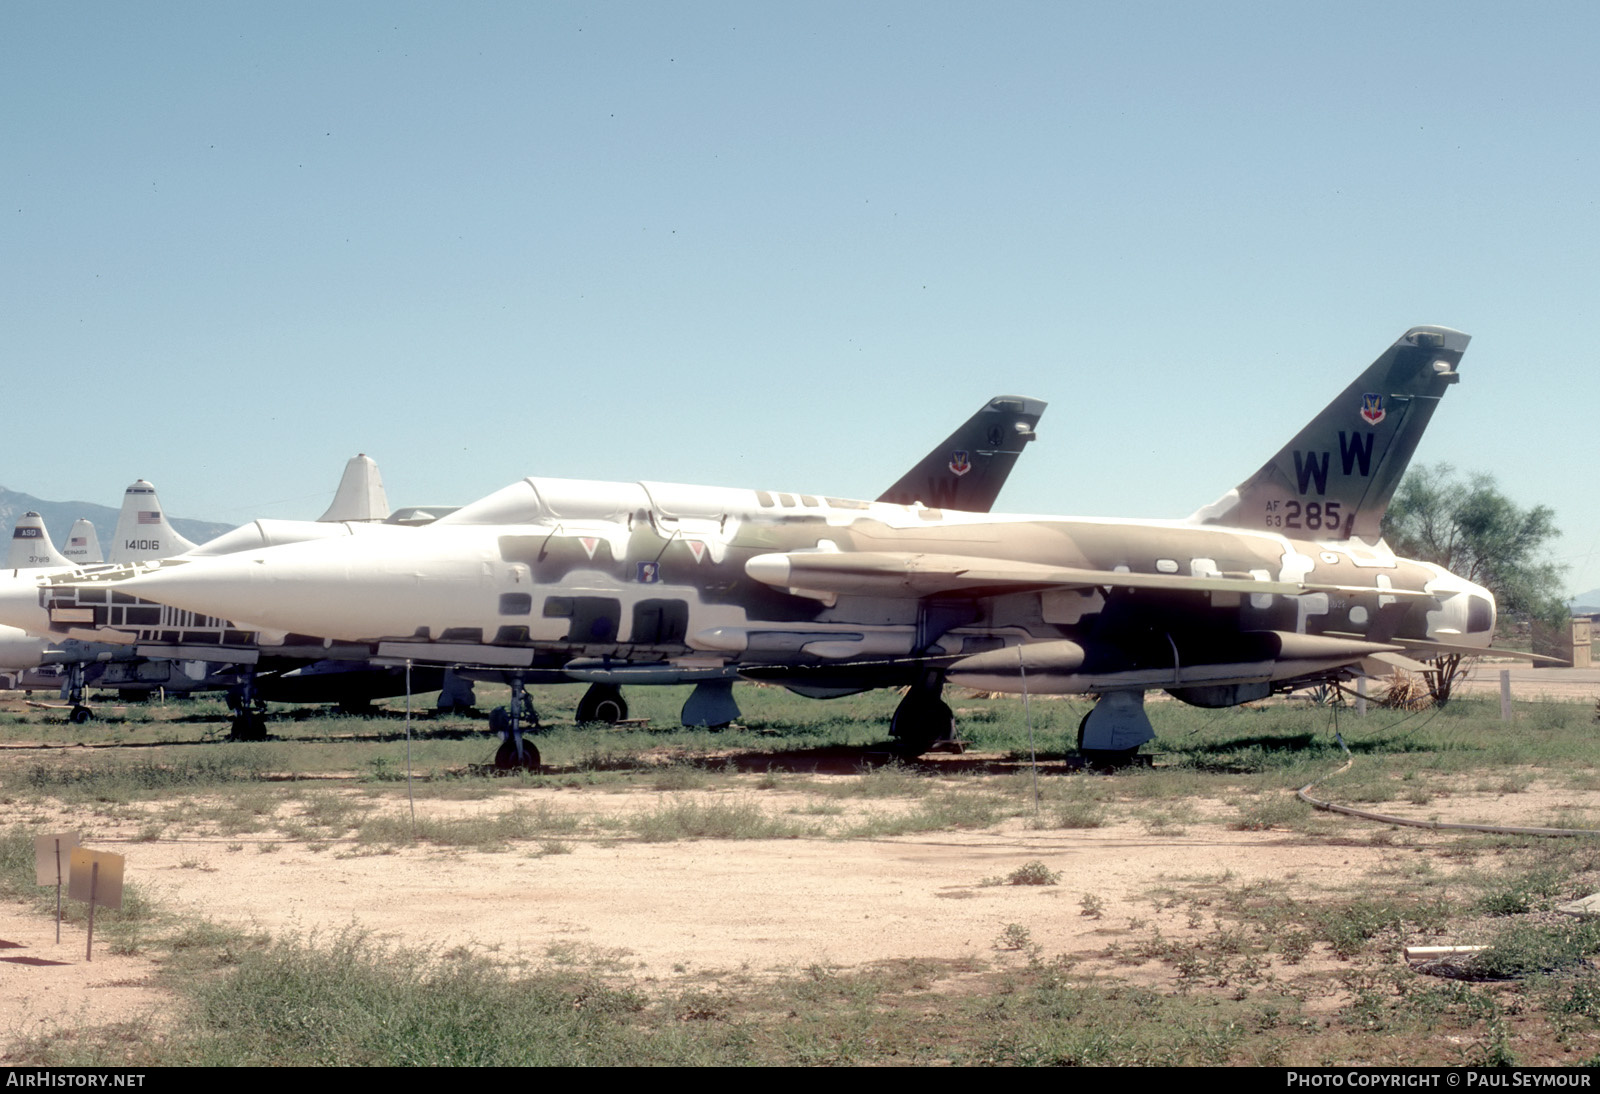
pixel 51 864
pixel 96 878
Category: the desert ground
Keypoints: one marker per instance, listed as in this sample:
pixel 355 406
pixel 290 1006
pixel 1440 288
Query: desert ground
pixel 587 875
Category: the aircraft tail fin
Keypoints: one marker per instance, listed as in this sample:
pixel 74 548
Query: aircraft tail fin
pixel 360 495
pixel 31 546
pixel 967 471
pixel 142 529
pixel 83 543
pixel 1335 478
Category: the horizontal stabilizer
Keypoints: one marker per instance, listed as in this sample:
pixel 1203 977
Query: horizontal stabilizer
pixel 1429 648
pixel 1390 662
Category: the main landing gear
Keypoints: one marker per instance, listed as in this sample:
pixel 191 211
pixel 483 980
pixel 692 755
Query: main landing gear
pixel 72 689
pixel 511 722
pixel 249 711
pixel 923 721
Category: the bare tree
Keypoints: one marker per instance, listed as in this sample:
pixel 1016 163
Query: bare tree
pixel 1441 678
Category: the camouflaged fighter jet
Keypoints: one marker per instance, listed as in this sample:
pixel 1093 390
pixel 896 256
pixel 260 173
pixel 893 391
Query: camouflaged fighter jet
pixel 1283 582
pixel 966 470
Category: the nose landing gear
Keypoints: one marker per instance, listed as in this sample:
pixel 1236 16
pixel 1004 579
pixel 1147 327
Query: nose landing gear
pixel 249 712
pixel 511 722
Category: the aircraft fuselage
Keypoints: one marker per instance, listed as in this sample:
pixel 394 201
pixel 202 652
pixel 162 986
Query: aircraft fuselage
pixel 828 591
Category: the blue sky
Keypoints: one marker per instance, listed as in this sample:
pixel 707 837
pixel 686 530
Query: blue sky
pixel 784 246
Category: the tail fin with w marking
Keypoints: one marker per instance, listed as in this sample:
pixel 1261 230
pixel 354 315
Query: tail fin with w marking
pixel 1335 479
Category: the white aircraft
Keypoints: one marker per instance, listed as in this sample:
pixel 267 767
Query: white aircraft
pixel 181 651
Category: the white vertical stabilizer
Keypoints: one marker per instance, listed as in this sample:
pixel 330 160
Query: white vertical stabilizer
pixel 83 544
pixel 31 546
pixel 142 529
pixel 360 495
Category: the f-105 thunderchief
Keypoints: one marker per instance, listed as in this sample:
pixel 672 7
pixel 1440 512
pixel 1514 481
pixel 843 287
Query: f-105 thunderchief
pixel 1283 582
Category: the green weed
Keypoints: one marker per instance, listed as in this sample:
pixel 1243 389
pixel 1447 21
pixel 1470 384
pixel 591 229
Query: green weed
pixel 1275 811
pixel 1524 949
pixel 1033 873
pixel 688 819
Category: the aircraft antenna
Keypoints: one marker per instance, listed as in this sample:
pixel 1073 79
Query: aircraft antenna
pixel 545 546
pixel 667 544
pixel 1027 720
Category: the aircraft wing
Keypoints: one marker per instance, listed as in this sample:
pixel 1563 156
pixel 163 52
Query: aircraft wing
pixel 906 574
pixel 1428 648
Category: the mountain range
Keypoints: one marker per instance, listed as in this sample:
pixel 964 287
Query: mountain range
pixel 1585 602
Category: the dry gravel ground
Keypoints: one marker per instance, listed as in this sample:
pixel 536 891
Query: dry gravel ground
pixel 702 909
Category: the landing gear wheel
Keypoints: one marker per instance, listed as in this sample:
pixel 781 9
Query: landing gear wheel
pixel 602 703
pixel 249 725
pixel 80 714
pixel 1104 757
pixel 355 707
pixel 506 759
pixel 920 722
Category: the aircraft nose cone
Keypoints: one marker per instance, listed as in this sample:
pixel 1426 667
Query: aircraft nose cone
pixel 234 589
pixel 340 588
